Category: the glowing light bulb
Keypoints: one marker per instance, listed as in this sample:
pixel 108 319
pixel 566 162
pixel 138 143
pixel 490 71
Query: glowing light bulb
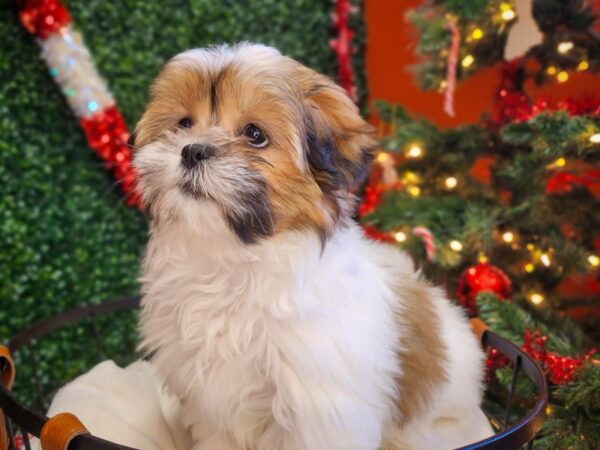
pixel 456 246
pixel 594 260
pixel 595 138
pixel 562 76
pixel 560 162
pixel 564 47
pixel 583 65
pixel 530 247
pixel 545 259
pixel 450 182
pixel 467 61
pixel 482 258
pixel 536 298
pixel 508 13
pixel 415 151
pixel 382 157
pixel 508 237
pixel 410 177
pixel 400 236
pixel 415 191
pixel 477 34
pixel 551 70
pixel 529 267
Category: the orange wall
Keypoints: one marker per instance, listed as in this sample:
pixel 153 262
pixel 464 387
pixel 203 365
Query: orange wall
pixel 390 50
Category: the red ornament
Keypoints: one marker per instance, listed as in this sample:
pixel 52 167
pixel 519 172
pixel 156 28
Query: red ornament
pixel 479 278
pixel 43 17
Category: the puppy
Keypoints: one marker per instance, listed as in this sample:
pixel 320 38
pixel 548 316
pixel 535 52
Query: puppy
pixel 268 313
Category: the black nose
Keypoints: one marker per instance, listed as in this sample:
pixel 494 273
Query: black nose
pixel 192 154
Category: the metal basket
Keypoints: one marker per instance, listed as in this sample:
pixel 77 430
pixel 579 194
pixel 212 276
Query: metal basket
pixel 17 416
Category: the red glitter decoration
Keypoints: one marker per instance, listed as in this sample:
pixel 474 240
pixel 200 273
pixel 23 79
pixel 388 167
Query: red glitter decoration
pixel 342 46
pixel 43 17
pixel 107 133
pixel 479 278
pixel 560 369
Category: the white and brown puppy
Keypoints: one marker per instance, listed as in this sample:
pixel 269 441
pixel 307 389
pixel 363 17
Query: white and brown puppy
pixel 278 325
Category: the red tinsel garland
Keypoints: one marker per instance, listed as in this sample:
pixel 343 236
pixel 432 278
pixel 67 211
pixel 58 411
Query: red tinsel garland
pixel 513 105
pixel 342 46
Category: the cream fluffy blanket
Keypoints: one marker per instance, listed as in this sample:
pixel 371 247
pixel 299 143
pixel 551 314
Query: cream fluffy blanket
pixel 126 406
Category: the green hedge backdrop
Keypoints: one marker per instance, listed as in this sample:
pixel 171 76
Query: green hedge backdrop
pixel 66 238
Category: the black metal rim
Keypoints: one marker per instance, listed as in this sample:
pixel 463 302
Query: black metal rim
pixel 514 437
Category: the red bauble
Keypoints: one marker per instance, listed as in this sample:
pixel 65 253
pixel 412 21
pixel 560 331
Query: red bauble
pixel 479 278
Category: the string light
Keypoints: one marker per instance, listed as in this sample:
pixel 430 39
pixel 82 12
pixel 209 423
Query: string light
pixel 529 267
pixel 594 260
pixel 536 298
pixel 508 237
pixel 477 34
pixel 507 12
pixel 551 70
pixel 595 138
pixel 560 162
pixel 450 182
pixel 562 76
pixel 415 191
pixel 530 247
pixel 382 157
pixel 545 259
pixel 583 65
pixel 482 258
pixel 564 47
pixel 467 61
pixel 410 177
pixel 415 151
pixel 400 236
pixel 456 246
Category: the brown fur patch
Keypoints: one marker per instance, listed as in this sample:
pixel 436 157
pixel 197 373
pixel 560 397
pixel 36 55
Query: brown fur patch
pixel 423 353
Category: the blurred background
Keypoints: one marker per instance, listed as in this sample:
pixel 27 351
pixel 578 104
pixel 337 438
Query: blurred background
pixel 487 172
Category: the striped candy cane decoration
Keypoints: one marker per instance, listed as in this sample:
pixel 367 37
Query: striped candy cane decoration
pixel 71 66
pixel 428 240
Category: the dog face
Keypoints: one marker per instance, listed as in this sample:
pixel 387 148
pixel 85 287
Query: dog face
pixel 255 137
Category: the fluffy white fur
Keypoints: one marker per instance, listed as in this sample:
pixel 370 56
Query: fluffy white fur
pixel 285 344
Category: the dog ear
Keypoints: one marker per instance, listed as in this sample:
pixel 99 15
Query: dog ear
pixel 339 143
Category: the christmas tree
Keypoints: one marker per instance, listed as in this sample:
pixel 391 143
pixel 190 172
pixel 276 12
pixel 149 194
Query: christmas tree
pixel 504 213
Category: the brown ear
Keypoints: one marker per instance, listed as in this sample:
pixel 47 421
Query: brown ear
pixel 339 142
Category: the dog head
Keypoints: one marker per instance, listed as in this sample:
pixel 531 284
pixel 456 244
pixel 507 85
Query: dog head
pixel 250 140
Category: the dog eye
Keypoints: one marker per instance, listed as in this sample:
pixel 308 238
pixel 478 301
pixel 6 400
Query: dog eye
pixel 255 135
pixel 186 122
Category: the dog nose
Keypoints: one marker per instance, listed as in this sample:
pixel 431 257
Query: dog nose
pixel 192 154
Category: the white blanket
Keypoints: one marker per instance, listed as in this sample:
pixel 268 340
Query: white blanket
pixel 126 406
